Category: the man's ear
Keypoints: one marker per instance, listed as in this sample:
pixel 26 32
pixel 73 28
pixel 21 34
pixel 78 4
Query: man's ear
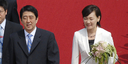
pixel 37 19
pixel 6 12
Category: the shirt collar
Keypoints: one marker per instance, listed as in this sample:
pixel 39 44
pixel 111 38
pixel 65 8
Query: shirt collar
pixel 3 24
pixel 32 33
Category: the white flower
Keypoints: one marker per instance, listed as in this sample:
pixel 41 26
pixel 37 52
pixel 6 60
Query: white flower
pixel 103 44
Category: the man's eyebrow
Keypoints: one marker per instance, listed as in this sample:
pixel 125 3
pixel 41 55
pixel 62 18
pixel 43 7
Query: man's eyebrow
pixel 25 16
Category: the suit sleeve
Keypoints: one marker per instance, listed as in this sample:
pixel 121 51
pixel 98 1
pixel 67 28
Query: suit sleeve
pixel 75 51
pixel 53 51
pixel 111 59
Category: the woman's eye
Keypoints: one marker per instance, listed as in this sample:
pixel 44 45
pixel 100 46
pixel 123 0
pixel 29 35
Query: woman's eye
pixel 91 19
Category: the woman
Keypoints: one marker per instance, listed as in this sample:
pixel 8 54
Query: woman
pixel 91 34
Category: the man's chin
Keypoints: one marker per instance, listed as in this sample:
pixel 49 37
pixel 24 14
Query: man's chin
pixel 28 29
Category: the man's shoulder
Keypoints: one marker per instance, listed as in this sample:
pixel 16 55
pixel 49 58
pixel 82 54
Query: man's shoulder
pixel 18 33
pixel 12 24
pixel 11 1
pixel 13 27
pixel 43 31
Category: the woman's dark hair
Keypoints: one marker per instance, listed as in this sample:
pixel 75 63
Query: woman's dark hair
pixel 28 8
pixel 89 9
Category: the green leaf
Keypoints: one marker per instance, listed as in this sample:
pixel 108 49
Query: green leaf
pixel 106 57
pixel 102 57
pixel 96 59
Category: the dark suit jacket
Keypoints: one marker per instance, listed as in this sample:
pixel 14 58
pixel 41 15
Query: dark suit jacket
pixel 12 13
pixel 44 48
pixel 10 28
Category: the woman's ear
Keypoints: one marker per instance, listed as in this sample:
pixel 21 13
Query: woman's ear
pixel 98 18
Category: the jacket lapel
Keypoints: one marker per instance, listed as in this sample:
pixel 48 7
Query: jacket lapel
pixel 36 40
pixel 98 35
pixel 84 38
pixel 22 42
pixel 8 31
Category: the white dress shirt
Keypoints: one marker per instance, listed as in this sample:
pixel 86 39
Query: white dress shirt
pixel 32 33
pixel 3 29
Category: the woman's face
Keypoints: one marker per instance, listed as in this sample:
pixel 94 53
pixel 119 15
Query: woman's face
pixel 91 20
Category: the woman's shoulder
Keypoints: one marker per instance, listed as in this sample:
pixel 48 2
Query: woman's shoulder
pixel 102 30
pixel 81 30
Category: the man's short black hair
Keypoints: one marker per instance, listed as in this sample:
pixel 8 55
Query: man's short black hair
pixel 28 8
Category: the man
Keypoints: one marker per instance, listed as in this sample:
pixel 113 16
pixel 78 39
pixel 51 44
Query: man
pixel 6 28
pixel 32 45
pixel 12 11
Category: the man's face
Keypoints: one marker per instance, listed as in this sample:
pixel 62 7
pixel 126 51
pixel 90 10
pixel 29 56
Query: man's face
pixel 3 14
pixel 29 21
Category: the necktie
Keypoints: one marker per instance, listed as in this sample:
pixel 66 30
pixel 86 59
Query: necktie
pixel 1 39
pixel 29 42
pixel 1 43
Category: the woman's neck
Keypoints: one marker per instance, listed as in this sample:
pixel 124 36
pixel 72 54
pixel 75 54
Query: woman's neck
pixel 91 33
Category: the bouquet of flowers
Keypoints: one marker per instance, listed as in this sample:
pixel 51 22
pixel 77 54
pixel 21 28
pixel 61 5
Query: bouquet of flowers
pixel 102 51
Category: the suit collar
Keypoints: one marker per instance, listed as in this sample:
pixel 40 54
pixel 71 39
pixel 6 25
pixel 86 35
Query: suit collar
pixel 36 40
pixel 3 24
pixel 98 35
pixel 22 41
pixel 8 29
pixel 32 33
pixel 85 38
pixel 86 42
pixel 7 32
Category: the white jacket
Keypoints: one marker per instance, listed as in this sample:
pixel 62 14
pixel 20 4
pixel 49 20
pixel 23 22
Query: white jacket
pixel 81 45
